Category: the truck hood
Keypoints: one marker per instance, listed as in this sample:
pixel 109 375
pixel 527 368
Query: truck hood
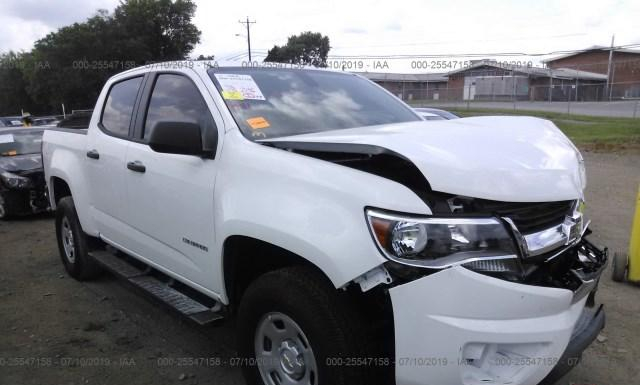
pixel 18 163
pixel 504 158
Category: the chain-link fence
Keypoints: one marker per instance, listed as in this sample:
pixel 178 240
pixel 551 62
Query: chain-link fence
pixel 573 97
pixel 594 88
pixel 509 89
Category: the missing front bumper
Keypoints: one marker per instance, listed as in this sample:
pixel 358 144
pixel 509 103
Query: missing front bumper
pixel 577 268
pixel 490 330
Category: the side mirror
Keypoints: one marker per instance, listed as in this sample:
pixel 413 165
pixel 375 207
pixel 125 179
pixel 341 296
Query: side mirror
pixel 177 138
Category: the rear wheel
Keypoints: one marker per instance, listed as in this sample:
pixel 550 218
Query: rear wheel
pixel 295 329
pixel 73 243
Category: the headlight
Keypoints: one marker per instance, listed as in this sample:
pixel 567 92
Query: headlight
pixel 481 244
pixel 15 181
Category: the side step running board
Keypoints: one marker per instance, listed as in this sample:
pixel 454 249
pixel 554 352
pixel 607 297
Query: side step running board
pixel 182 303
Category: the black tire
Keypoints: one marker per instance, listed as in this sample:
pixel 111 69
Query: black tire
pixel 79 265
pixel 334 331
pixel 619 267
pixel 5 213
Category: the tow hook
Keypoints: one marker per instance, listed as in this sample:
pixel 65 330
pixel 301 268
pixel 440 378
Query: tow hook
pixel 373 278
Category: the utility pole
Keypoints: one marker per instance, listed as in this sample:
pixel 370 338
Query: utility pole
pixel 513 74
pixel 550 85
pixel 248 23
pixel 609 85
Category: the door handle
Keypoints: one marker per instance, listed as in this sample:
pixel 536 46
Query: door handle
pixel 136 166
pixel 93 154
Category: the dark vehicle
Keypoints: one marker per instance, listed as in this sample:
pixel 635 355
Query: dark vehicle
pixel 435 114
pixel 46 120
pixel 10 121
pixel 78 119
pixel 22 184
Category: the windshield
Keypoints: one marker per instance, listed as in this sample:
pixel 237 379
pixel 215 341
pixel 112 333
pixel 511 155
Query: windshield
pixel 21 143
pixel 268 103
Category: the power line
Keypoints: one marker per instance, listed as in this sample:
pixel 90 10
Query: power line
pixel 461 41
pixel 233 54
pixel 417 56
pixel 263 51
pixel 237 56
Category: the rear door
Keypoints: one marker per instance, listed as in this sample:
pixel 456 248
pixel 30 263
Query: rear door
pixel 170 197
pixel 105 158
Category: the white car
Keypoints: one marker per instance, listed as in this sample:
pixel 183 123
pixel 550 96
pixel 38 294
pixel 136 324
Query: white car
pixel 435 114
pixel 351 242
pixel 430 116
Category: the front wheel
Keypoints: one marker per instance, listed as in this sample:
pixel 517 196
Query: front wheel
pixel 73 243
pixel 295 329
pixel 619 268
pixel 4 208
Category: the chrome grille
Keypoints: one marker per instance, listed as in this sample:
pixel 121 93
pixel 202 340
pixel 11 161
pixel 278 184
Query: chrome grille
pixel 528 217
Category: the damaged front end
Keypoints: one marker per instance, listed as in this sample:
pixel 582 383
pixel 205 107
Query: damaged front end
pixel 23 192
pixel 490 285
pixel 577 268
pixel 22 182
pixel 541 244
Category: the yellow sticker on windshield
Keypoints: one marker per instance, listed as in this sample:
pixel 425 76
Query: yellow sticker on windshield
pixel 258 123
pixel 232 95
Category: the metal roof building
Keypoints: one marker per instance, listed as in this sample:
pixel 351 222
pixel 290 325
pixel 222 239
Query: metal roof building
pixel 410 86
pixel 490 80
pixel 486 66
pixel 624 71
pixel 409 78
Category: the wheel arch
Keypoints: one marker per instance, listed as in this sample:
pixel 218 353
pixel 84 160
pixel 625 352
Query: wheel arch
pixel 60 185
pixel 245 258
pixel 58 190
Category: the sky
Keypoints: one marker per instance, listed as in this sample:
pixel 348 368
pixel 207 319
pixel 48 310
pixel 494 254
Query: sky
pixel 361 29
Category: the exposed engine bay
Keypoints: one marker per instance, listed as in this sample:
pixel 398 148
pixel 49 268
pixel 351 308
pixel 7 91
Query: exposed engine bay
pixel 570 261
pixel 22 185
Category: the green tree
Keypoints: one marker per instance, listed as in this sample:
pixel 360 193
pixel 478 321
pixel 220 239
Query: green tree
pixel 307 48
pixel 13 86
pixel 71 65
pixel 157 30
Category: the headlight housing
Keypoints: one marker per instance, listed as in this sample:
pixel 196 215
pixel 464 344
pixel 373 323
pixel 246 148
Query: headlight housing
pixel 481 244
pixel 15 181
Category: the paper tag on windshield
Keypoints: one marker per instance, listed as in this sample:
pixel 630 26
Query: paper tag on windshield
pixel 236 86
pixel 258 123
pixel 232 95
pixel 7 138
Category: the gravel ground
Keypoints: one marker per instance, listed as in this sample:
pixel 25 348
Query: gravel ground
pixel 54 330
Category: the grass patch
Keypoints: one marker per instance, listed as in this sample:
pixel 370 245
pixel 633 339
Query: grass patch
pixel 596 131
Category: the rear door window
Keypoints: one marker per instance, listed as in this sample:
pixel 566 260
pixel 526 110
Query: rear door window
pixel 118 108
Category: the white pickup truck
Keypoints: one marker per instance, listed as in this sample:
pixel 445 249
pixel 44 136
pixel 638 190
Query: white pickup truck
pixel 351 241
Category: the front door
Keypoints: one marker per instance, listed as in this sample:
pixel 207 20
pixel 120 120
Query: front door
pixel 170 197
